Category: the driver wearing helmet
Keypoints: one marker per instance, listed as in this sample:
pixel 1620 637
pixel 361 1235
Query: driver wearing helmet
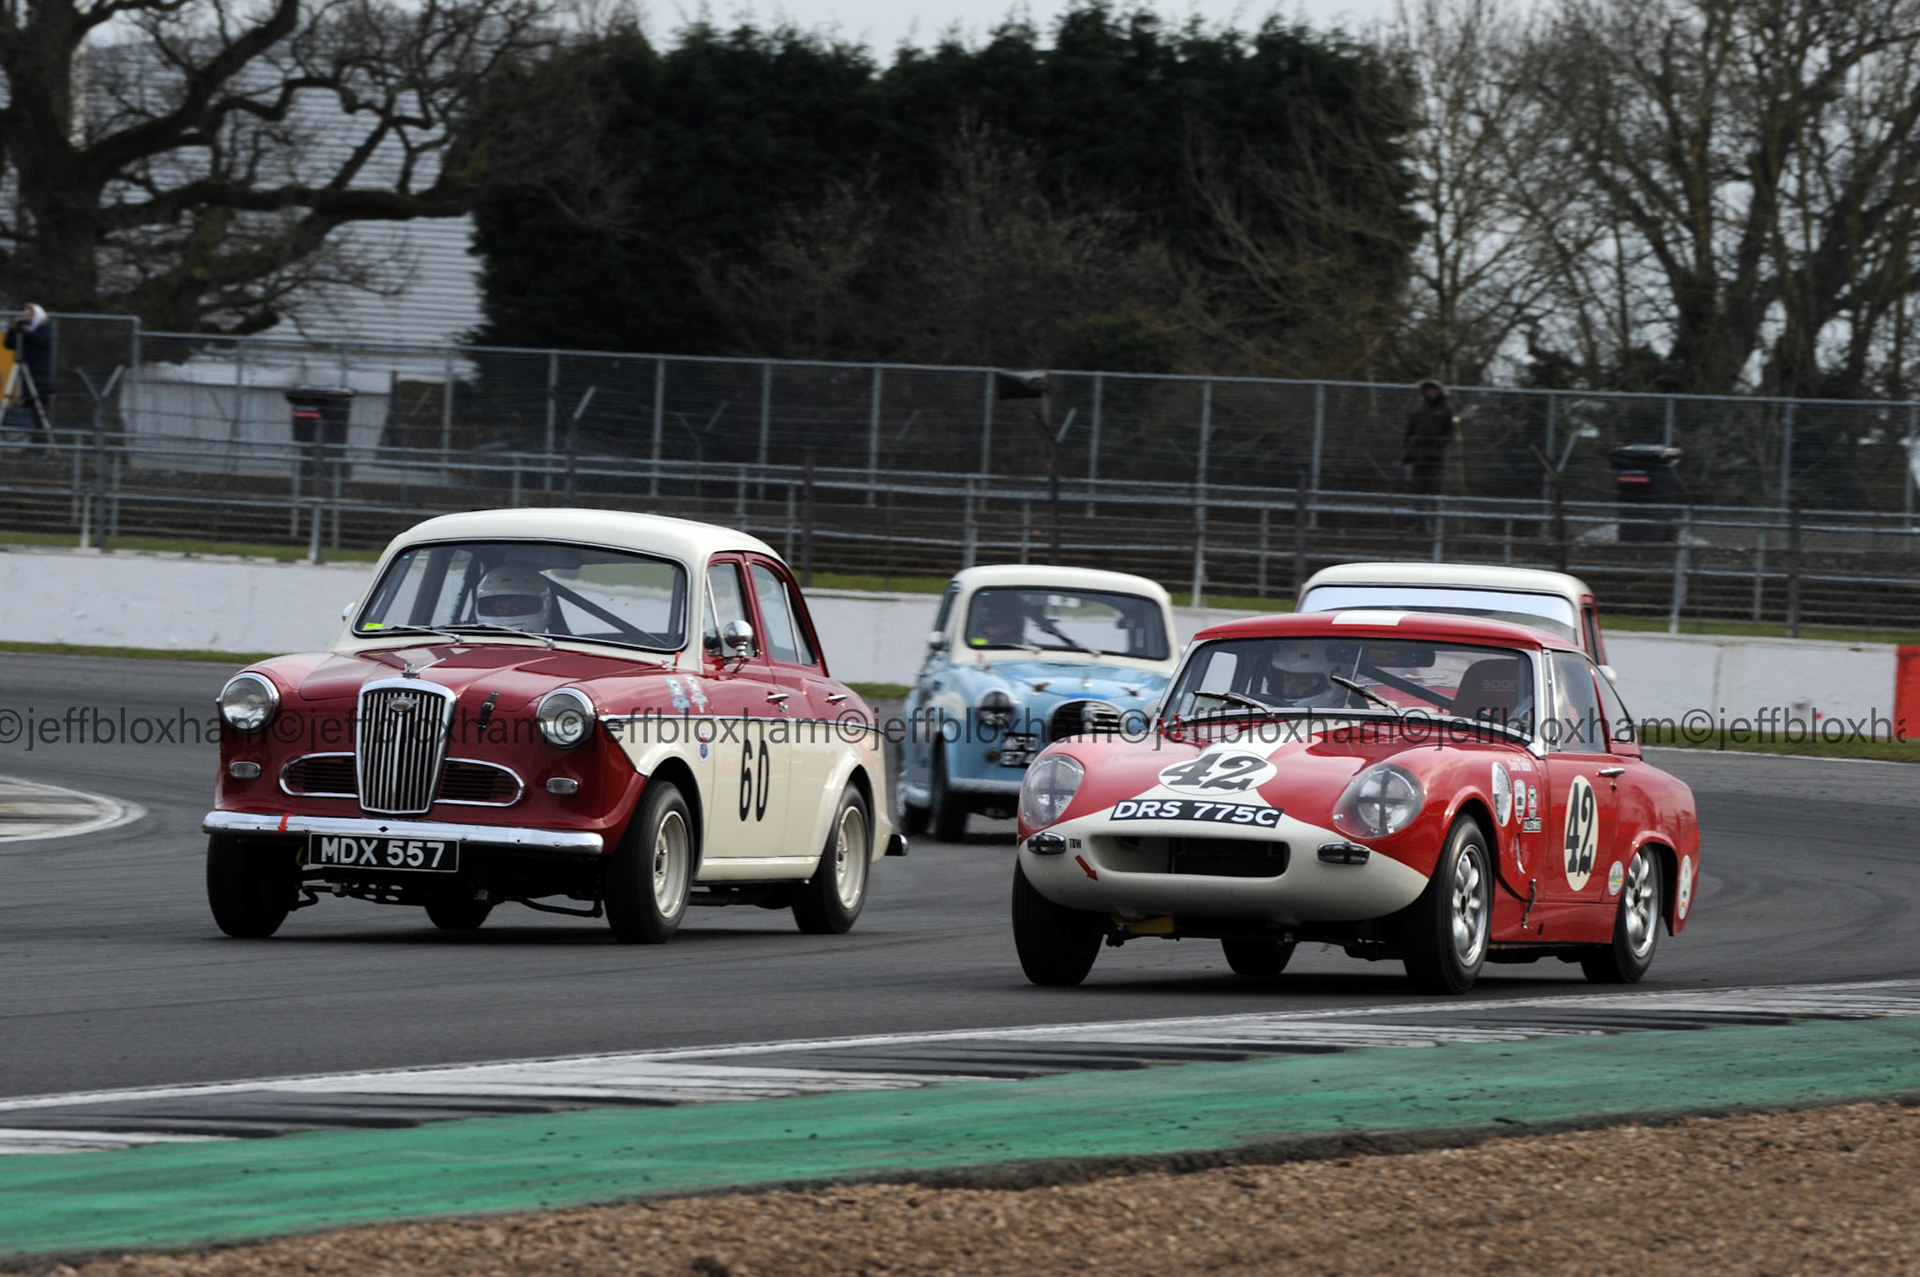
pixel 999 619
pixel 514 596
pixel 1298 673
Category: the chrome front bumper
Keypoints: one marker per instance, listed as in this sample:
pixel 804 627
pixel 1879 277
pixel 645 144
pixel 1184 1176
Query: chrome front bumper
pixel 239 822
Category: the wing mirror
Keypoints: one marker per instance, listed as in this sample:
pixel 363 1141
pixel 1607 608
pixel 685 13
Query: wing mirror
pixel 736 636
pixel 936 641
pixel 1611 676
pixel 346 611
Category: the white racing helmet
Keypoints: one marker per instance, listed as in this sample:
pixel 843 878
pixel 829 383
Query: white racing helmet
pixel 1301 671
pixel 515 596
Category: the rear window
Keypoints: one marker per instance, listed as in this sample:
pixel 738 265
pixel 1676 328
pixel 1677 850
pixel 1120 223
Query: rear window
pixel 1548 613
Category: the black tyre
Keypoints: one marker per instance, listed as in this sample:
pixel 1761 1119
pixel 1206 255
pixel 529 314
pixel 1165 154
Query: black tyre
pixel 651 872
pixel 1252 957
pixel 1444 933
pixel 459 915
pixel 831 900
pixel 1057 945
pixel 1636 928
pixel 948 815
pixel 250 887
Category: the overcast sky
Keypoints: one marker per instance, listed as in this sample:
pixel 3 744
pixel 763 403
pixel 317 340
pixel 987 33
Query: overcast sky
pixel 885 24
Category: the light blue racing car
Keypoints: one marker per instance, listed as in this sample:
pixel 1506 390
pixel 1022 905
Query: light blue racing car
pixel 1021 656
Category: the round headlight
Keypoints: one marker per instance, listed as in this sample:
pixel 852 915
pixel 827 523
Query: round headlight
pixel 248 702
pixel 1050 785
pixel 565 717
pixel 995 710
pixel 1381 800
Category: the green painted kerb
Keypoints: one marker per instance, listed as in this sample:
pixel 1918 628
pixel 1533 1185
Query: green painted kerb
pixel 180 1194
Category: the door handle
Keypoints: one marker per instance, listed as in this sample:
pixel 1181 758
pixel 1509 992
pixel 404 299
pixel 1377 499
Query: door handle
pixel 780 697
pixel 836 698
pixel 1611 772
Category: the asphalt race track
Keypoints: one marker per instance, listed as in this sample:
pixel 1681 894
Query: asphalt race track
pixel 115 976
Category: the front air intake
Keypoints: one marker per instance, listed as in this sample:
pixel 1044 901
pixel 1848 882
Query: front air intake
pixel 400 741
pixel 1080 718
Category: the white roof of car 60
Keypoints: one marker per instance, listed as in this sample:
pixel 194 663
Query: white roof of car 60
pixel 681 539
pixel 1459 575
pixel 1044 576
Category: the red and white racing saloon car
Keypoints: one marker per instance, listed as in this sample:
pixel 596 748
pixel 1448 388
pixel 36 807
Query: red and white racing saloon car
pixel 575 710
pixel 1441 790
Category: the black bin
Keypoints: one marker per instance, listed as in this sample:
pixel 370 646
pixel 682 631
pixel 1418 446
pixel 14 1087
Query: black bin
pixel 1647 474
pixel 320 416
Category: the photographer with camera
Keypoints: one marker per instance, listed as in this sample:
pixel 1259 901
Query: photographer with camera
pixel 30 388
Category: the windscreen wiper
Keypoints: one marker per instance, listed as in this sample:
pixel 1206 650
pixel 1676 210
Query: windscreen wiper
pixel 1050 628
pixel 1241 698
pixel 1369 693
pixel 491 628
pixel 381 631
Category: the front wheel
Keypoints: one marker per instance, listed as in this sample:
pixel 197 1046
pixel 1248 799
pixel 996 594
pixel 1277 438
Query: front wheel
pixel 1252 957
pixel 250 889
pixel 651 873
pixel 948 815
pixel 830 901
pixel 1445 933
pixel 1057 945
pixel 1636 928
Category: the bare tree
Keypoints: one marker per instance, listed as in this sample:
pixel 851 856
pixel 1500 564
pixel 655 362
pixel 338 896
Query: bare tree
pixel 186 160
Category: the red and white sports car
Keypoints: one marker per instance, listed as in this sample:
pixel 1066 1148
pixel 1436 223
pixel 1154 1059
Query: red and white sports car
pixel 1443 791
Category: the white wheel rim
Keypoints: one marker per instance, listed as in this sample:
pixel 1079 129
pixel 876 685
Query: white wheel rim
pixel 670 847
pixel 849 857
pixel 1641 905
pixel 1469 906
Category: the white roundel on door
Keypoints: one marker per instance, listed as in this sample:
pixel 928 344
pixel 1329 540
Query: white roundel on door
pixel 1583 832
pixel 1503 795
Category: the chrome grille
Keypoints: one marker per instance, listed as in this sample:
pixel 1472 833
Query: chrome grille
pixel 320 776
pixel 472 783
pixel 1076 718
pixel 401 738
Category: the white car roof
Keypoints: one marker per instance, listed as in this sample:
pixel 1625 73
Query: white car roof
pixel 1468 576
pixel 1041 574
pixel 681 539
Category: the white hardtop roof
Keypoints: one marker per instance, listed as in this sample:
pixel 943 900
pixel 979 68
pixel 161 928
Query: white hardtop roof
pixel 1465 576
pixel 680 539
pixel 1044 575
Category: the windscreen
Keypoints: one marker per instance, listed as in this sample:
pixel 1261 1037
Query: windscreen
pixel 532 587
pixel 1048 620
pixel 1548 613
pixel 1238 676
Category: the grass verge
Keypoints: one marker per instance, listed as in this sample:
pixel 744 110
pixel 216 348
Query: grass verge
pixel 1886 751
pixel 138 653
pixel 190 545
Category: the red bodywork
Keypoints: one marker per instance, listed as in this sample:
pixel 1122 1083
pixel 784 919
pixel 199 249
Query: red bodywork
pixel 1536 902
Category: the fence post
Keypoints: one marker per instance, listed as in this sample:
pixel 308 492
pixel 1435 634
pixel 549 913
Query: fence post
pixel 1906 487
pixel 313 531
pixel 968 530
pixel 1667 437
pixel 766 412
pixel 740 500
pixel 1759 570
pixel 1553 479
pixel 1680 552
pixel 1026 525
pixel 1793 571
pixel 1260 559
pixel 446 422
pixel 1319 438
pixel 1093 445
pixel 986 430
pixel 1506 540
pixel 1196 598
pixel 1786 453
pixel 873 440
pixel 659 421
pixel 1439 528
pixel 806 521
pixel 1299 536
pixel 553 408
pixel 787 546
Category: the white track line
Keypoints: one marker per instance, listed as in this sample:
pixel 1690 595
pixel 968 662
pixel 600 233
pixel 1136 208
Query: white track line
pixel 33 812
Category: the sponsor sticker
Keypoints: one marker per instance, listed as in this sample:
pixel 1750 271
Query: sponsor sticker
pixel 1533 801
pixel 678 693
pixel 1226 771
pixel 1684 899
pixel 1616 878
pixel 696 694
pixel 1502 795
pixel 1531 825
pixel 1248 814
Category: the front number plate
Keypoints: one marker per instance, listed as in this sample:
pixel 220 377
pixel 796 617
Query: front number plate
pixel 1194 809
pixel 410 855
pixel 1017 750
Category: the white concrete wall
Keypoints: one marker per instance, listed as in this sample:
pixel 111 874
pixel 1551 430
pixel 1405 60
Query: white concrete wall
pixel 232 605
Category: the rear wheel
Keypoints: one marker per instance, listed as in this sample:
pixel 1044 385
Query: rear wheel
pixel 1636 928
pixel 1251 957
pixel 1445 931
pixel 251 889
pixel 948 815
pixel 831 899
pixel 1057 945
pixel 651 873
pixel 459 915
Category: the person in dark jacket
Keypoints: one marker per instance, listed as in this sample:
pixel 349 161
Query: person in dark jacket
pixel 1430 431
pixel 30 338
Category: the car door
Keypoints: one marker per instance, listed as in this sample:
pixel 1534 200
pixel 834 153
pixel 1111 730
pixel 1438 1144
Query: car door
pixel 811 746
pixel 1581 775
pixel 747 807
pixel 917 754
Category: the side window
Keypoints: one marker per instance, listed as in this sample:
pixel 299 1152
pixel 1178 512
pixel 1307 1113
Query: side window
pixel 946 607
pixel 1620 728
pixel 726 601
pixel 1593 634
pixel 785 642
pixel 1577 727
